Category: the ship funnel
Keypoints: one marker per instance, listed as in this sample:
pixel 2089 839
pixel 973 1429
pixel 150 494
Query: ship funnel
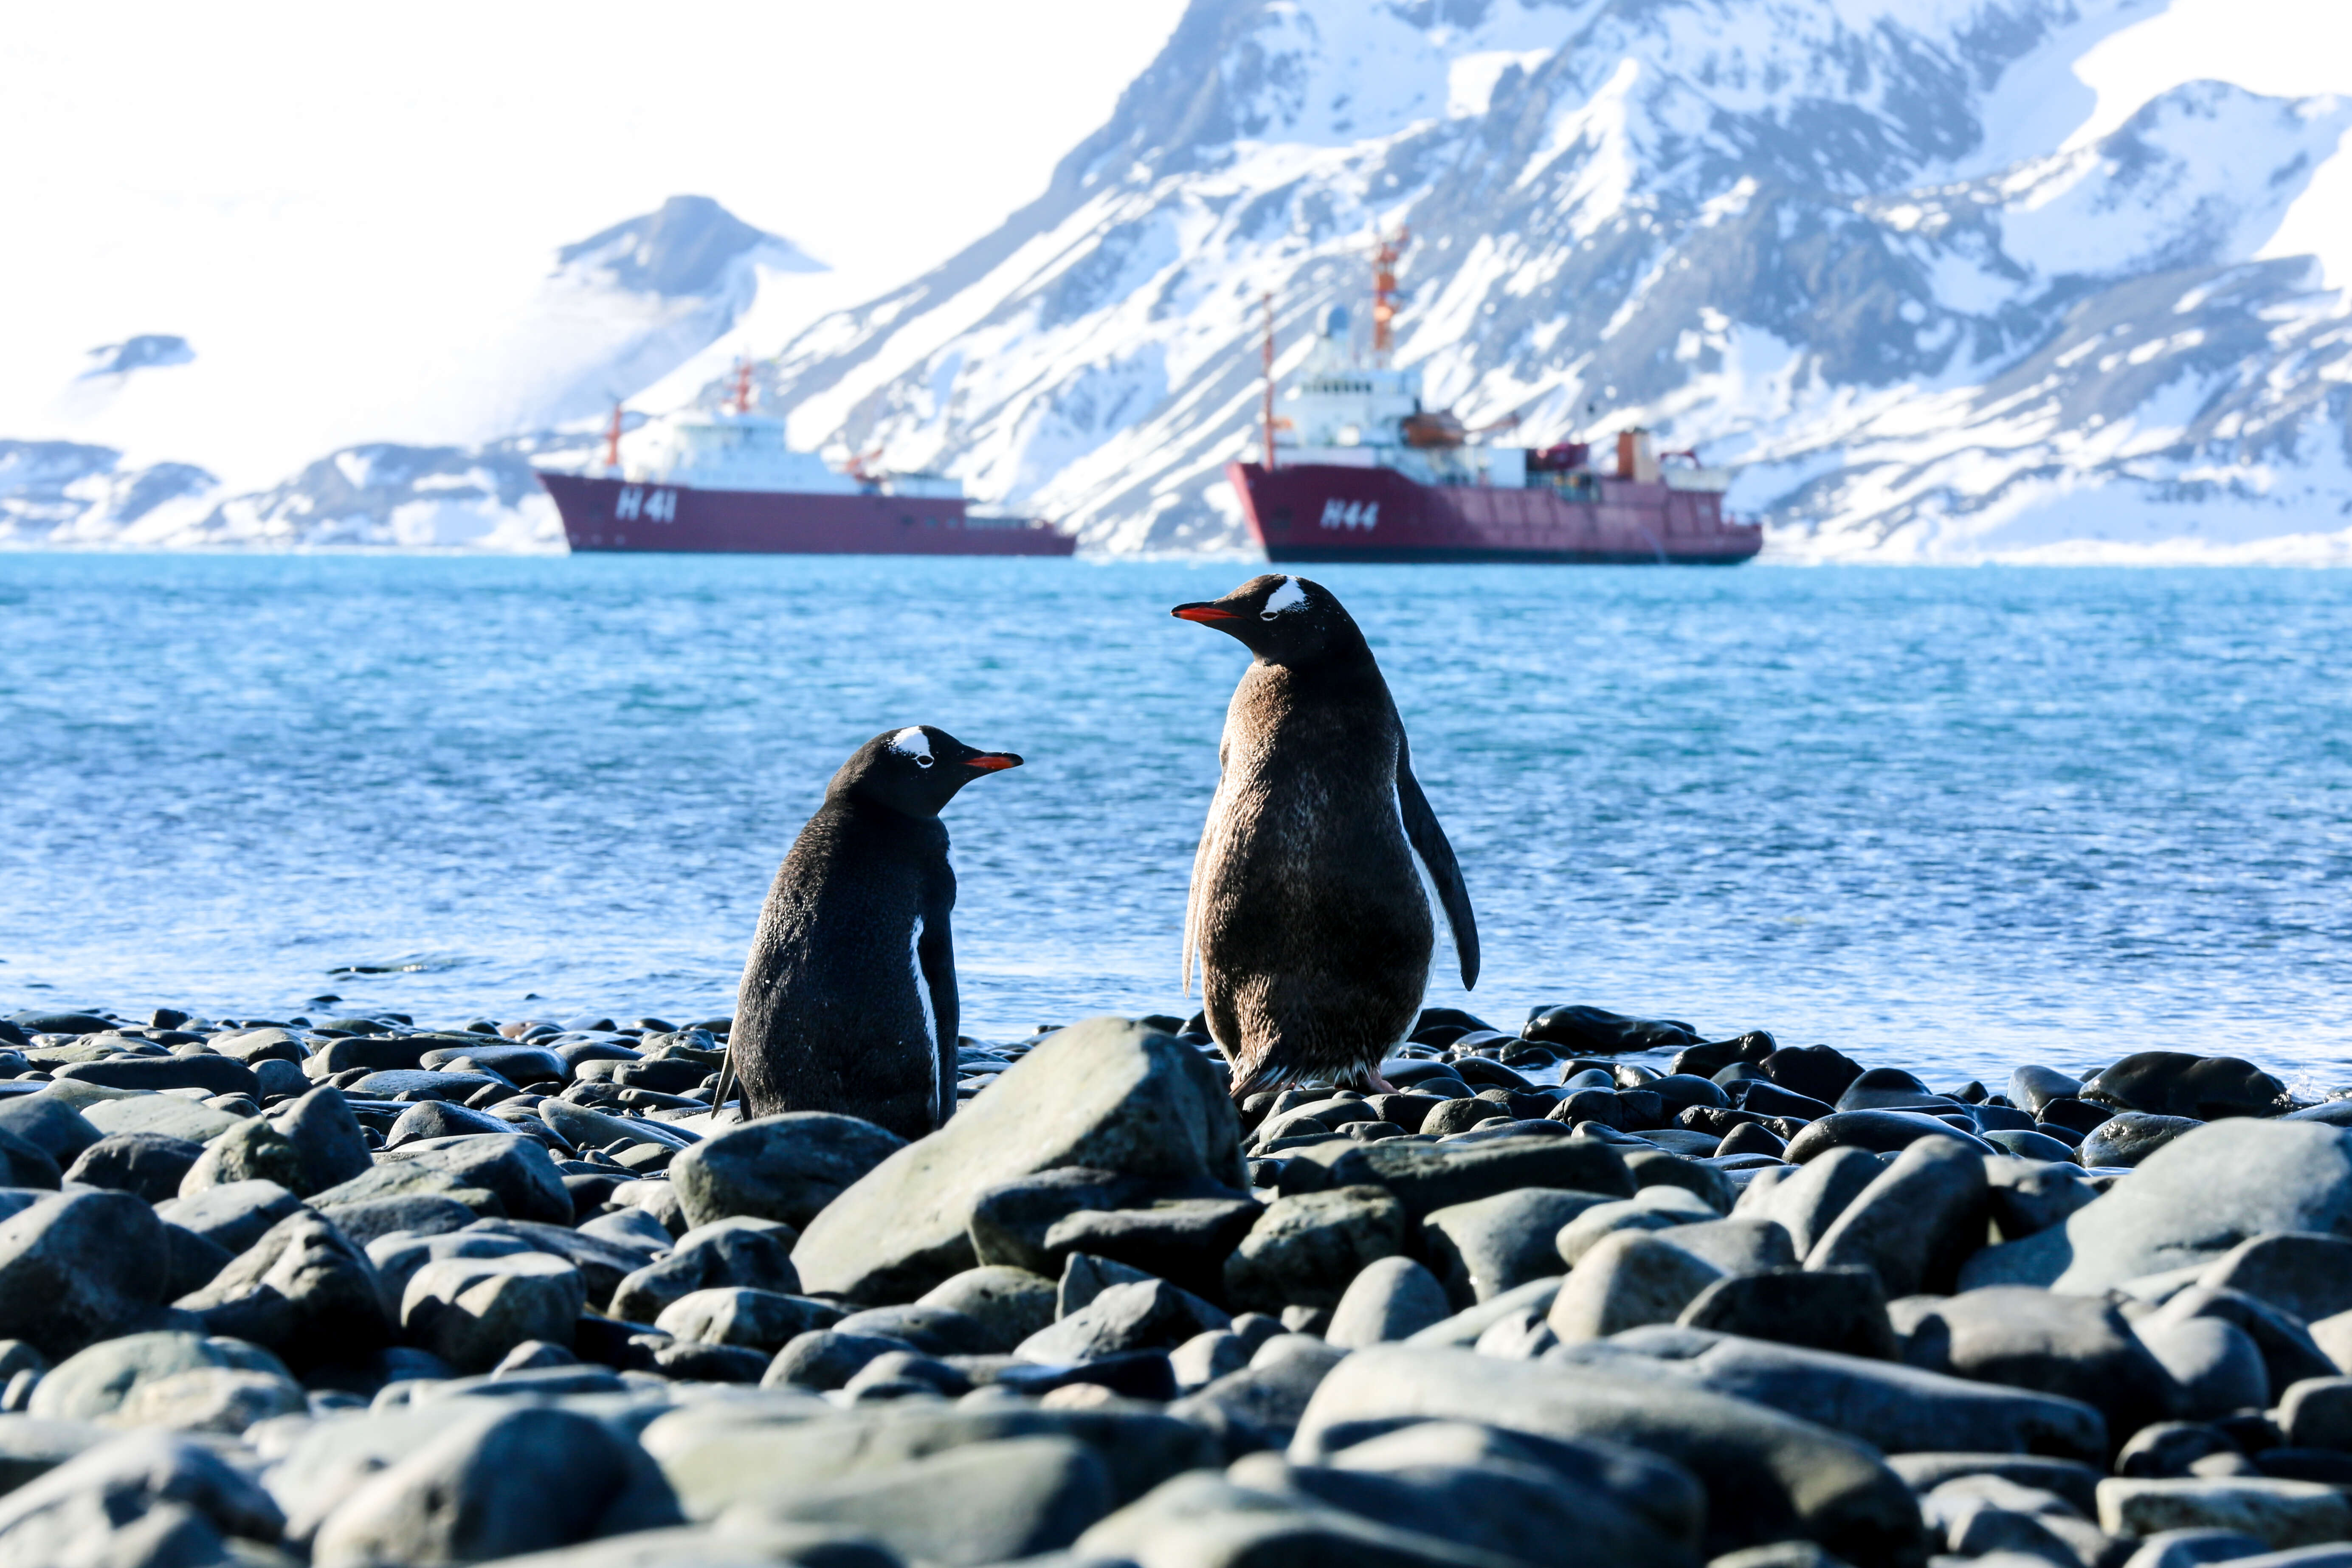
pixel 1332 322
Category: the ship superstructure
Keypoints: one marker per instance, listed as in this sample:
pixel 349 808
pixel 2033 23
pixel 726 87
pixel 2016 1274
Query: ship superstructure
pixel 1355 467
pixel 727 479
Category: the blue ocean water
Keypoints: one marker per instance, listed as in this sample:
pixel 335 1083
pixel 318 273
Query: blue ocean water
pixel 1949 819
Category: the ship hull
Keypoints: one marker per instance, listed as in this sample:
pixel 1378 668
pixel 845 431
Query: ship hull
pixel 1316 512
pixel 602 515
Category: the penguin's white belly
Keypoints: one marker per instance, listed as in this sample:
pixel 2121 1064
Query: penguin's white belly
pixel 923 992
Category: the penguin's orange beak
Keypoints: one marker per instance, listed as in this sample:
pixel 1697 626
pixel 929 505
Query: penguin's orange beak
pixel 993 761
pixel 1203 613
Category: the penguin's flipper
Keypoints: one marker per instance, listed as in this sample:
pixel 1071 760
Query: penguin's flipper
pixel 935 960
pixel 1428 841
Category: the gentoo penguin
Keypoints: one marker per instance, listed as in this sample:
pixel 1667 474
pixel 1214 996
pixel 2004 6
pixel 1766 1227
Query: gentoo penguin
pixel 848 1001
pixel 1306 911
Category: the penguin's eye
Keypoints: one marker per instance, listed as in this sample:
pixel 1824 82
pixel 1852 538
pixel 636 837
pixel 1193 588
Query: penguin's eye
pixel 922 762
pixel 1267 615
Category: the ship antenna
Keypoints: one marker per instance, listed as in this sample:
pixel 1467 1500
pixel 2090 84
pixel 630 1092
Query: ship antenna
pixel 612 440
pixel 1385 251
pixel 1268 302
pixel 744 385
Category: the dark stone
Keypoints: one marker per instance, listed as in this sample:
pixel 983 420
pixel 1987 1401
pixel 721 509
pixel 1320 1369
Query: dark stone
pixel 1425 1177
pixel 826 1359
pixel 933 1331
pixel 1717 1121
pixel 516 1168
pixel 214 1075
pixel 304 1290
pixel 2131 1137
pixel 1768 1098
pixel 1817 1072
pixel 2176 1083
pixel 2074 1117
pixel 1766 1478
pixel 49 1125
pixel 1894 1407
pixel 326 1137
pixel 375 1053
pixel 1009 1222
pixel 1481 1072
pixel 1885 1088
pixel 36 1021
pixel 1150 1315
pixel 144 1165
pixel 516 1064
pixel 2308 1275
pixel 1751 1139
pixel 2032 1145
pixel 425 1214
pixel 193 1261
pixel 2166 1448
pixel 1184 1241
pixel 81 1267
pixel 1708 1059
pixel 1638 1109
pixel 1259 1406
pixel 1916 1224
pixel 1588 1104
pixel 2034 1088
pixel 233 1214
pixel 1838 1309
pixel 2029 1199
pixel 22 1165
pixel 439 1119
pixel 1407 1110
pixel 782 1168
pixel 713 1256
pixel 419 1085
pixel 1478 1250
pixel 1304 1250
pixel 1678 1091
pixel 1596 1031
pixel 2289 1354
pixel 157 1499
pixel 500 1484
pixel 1879 1131
pixel 2076 1347
pixel 1461 1115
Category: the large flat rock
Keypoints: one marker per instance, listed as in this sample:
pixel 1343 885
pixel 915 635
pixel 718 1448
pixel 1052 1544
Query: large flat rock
pixel 1108 1093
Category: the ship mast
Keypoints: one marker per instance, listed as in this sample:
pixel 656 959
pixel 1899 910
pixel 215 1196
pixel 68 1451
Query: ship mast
pixel 744 385
pixel 612 440
pixel 1386 248
pixel 1268 302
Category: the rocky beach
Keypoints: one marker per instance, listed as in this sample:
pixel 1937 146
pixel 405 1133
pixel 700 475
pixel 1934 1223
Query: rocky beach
pixel 354 1291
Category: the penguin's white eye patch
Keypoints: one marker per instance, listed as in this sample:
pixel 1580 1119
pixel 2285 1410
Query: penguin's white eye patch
pixel 1289 596
pixel 911 741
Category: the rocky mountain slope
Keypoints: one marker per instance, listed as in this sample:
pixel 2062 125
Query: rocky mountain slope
pixel 1844 244
pixel 659 295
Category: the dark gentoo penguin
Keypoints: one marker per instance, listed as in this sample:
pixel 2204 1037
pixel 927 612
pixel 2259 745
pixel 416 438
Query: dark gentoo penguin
pixel 848 1001
pixel 1307 911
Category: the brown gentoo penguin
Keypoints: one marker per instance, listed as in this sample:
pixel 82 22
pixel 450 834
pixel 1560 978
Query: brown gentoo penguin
pixel 848 1001
pixel 1306 909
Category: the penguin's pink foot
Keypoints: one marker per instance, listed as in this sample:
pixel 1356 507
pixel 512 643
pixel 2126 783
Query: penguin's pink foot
pixel 1380 1085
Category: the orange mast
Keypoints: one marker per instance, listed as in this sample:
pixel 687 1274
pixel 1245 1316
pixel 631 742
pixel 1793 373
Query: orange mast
pixel 1268 302
pixel 1385 251
pixel 744 385
pixel 613 439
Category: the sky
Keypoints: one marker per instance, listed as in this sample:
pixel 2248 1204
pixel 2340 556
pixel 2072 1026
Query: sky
pixel 335 203
pixel 370 184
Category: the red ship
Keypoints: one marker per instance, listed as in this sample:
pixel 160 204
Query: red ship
pixel 727 482
pixel 1370 475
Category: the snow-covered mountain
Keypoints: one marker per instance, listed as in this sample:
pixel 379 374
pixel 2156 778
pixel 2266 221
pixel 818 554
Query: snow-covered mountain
pixel 669 294
pixel 1879 255
pixel 1846 245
